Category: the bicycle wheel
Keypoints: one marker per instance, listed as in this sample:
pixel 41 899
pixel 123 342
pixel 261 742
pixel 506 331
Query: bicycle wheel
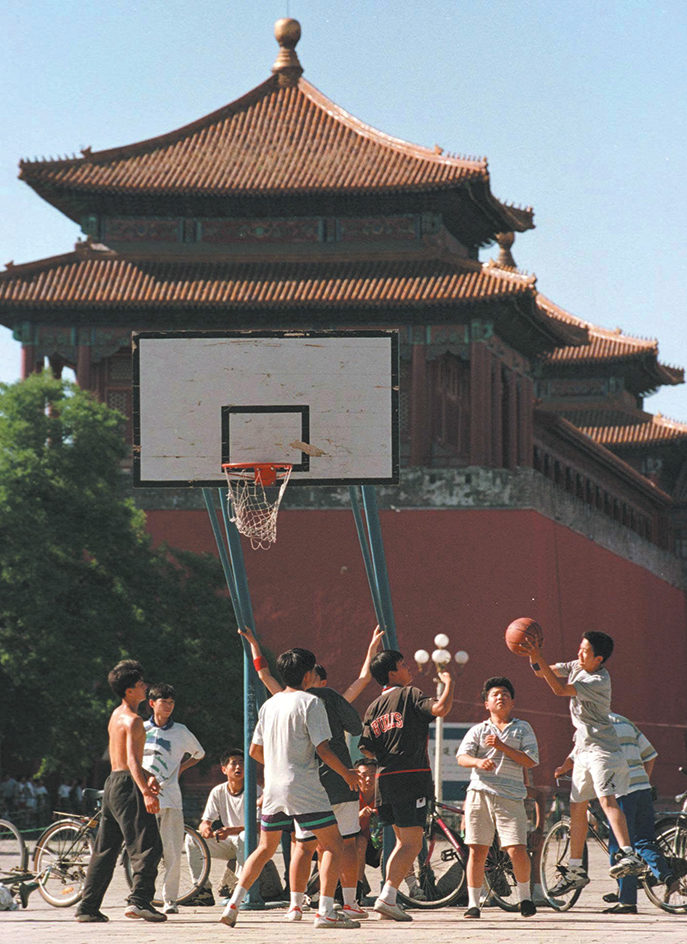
pixel 194 852
pixel 439 871
pixel 554 856
pixel 500 879
pixel 13 853
pixel 671 837
pixel 61 859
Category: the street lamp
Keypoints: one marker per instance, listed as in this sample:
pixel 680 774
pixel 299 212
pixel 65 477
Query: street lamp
pixel 441 658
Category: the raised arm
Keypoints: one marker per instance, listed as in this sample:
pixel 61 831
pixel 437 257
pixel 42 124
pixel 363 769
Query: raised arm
pixel 356 688
pixel 264 674
pixel 559 686
pixel 444 702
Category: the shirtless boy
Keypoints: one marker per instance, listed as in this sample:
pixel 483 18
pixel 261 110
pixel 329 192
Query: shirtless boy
pixel 129 806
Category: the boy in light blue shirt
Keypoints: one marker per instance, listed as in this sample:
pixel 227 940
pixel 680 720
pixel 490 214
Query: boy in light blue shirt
pixel 498 751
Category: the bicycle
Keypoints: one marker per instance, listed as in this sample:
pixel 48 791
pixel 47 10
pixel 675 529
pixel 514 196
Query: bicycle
pixel 64 850
pixel 556 850
pixel 441 866
pixel 14 874
pixel 671 836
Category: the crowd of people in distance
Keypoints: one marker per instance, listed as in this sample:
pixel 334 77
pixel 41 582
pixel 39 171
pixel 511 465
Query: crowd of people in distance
pixel 317 802
pixel 27 800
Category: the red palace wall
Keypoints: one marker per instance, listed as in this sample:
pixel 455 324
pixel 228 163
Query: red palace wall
pixel 468 574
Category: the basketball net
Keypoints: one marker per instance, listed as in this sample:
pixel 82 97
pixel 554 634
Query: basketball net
pixel 250 508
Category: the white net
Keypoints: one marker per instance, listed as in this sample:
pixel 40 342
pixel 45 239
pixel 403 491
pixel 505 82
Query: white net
pixel 252 509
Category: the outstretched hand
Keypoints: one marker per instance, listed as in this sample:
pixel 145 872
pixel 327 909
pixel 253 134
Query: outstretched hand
pixel 376 641
pixel 247 634
pixel 530 648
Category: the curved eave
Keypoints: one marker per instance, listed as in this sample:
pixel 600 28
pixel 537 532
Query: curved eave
pixel 234 153
pixel 601 454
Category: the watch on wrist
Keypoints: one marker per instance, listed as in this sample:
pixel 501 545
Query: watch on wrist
pixel 535 666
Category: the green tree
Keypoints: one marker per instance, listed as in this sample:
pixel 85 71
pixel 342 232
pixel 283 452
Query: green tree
pixel 81 588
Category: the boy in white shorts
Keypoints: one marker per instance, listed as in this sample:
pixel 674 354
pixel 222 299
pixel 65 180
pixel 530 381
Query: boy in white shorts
pixel 292 730
pixel 600 768
pixel 343 719
pixel 499 751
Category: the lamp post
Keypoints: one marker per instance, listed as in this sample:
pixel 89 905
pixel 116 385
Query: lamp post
pixel 441 658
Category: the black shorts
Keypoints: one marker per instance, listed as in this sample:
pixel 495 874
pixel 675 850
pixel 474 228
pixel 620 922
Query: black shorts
pixel 404 814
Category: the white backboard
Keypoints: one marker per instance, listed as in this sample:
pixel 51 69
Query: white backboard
pixel 202 399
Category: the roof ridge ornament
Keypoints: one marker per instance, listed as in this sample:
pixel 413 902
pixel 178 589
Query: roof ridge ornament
pixel 505 259
pixel 287 66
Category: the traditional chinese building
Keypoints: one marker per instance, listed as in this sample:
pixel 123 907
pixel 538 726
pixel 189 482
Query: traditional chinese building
pixel 534 483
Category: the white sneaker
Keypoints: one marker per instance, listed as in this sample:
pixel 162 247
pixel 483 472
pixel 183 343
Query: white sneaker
pixel 355 912
pixel 148 913
pixel 393 912
pixel 336 921
pixel 229 916
pixel 626 863
pixel 170 907
pixel 294 914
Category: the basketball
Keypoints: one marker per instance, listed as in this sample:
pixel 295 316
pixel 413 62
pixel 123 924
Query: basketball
pixel 521 629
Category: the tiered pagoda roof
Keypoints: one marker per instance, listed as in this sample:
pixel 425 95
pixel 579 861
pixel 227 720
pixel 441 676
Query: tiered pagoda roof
pixel 280 141
pixel 646 430
pixel 638 356
pixel 93 279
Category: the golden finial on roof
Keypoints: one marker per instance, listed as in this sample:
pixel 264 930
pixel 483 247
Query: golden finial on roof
pixel 505 259
pixel 287 65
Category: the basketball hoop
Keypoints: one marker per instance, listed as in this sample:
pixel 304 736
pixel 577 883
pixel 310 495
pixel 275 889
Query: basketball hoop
pixel 254 513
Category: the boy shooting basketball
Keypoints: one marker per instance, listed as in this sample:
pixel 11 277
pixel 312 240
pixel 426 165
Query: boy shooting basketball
pixel 600 768
pixel 292 728
pixel 395 732
pixel 130 802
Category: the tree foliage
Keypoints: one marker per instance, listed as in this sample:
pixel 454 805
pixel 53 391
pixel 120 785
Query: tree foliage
pixel 81 588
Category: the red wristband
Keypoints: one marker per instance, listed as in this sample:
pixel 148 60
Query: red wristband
pixel 260 663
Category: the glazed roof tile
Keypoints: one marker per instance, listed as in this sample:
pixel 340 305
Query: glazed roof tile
pixel 89 278
pixel 605 346
pixel 272 140
pixel 655 431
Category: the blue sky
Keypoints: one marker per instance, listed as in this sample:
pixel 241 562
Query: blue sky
pixel 578 105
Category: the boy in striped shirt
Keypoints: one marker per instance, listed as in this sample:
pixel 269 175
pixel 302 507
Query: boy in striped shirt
pixel 498 751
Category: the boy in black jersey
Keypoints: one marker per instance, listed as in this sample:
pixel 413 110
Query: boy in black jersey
pixel 395 732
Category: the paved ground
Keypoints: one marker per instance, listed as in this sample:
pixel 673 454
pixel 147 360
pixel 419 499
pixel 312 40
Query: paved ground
pixel 42 924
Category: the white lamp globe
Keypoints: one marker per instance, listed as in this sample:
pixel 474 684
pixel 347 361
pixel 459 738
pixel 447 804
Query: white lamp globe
pixel 422 657
pixel 441 657
pixel 461 657
pixel 441 640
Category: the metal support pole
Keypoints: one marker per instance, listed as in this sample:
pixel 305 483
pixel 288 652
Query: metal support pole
pixel 367 560
pixel 378 579
pixel 439 752
pixel 379 563
pixel 237 582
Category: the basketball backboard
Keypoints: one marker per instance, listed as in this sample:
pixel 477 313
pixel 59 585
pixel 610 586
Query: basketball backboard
pixel 326 402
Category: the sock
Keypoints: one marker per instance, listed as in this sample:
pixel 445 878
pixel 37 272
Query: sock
pixel 626 850
pixel 348 896
pixel 388 894
pixel 524 891
pixel 239 894
pixel 297 899
pixel 473 897
pixel 326 908
pixel 574 863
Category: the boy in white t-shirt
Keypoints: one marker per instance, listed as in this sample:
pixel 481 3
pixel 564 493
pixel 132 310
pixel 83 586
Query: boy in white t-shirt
pixel 498 751
pixel 600 768
pixel 170 749
pixel 292 729
pixel 222 827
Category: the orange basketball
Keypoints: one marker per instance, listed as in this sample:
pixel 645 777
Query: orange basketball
pixel 521 629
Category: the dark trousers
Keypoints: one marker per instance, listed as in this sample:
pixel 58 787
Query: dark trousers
pixel 639 813
pixel 124 819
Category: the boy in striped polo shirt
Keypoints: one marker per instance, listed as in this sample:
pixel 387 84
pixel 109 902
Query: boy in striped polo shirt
pixel 498 750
